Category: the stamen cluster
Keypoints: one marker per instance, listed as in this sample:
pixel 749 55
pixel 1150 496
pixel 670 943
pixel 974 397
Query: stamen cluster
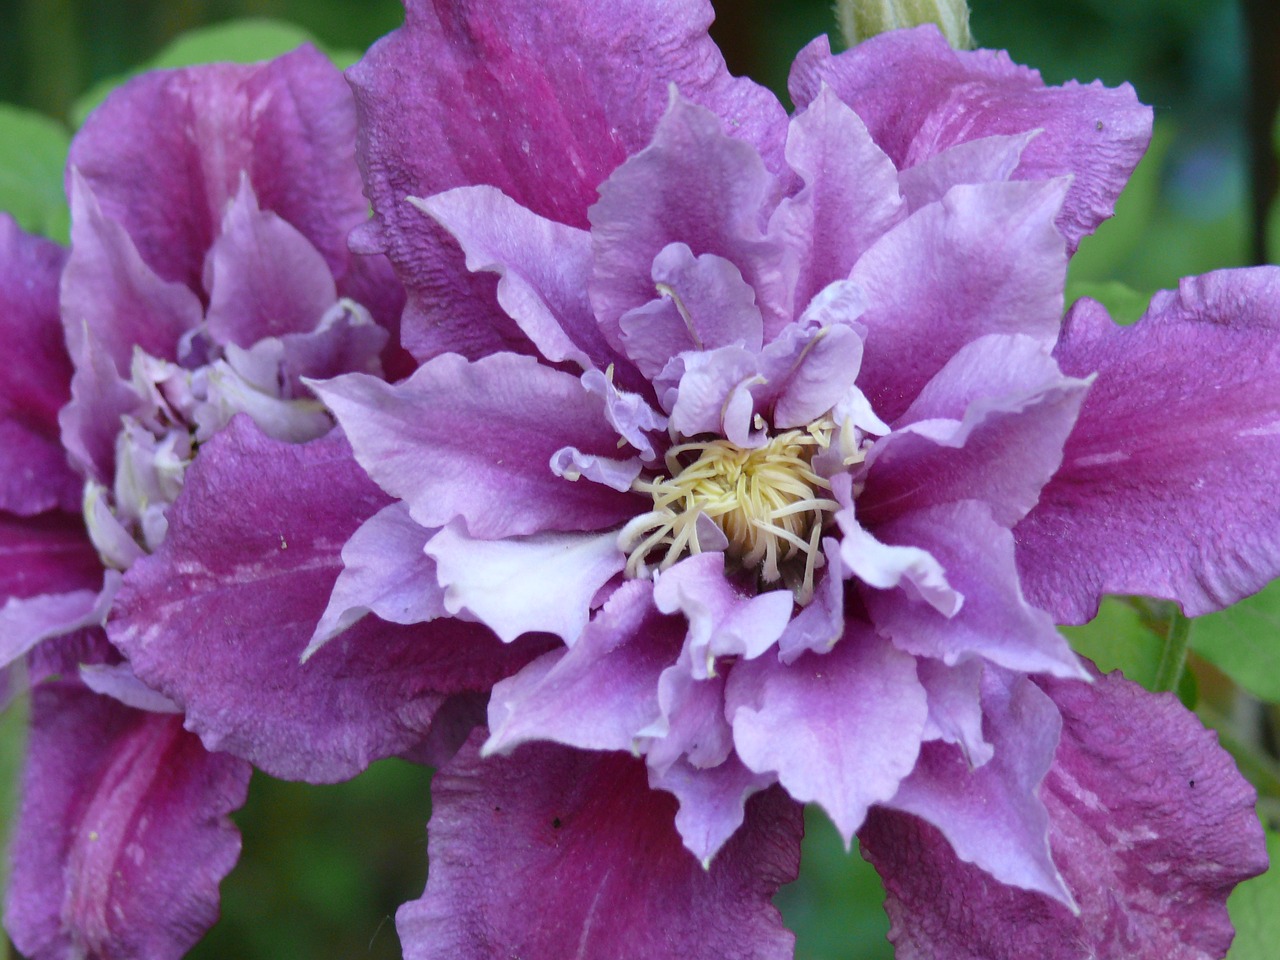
pixel 766 501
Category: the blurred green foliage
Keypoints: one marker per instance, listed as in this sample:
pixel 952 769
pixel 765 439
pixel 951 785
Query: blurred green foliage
pixel 324 867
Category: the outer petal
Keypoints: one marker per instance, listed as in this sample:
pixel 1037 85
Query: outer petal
pixel 475 440
pixel 918 96
pixel 123 836
pixel 165 153
pixel 986 259
pixel 1151 826
pixel 841 728
pixel 47 553
pixel 1168 481
pixel 559 853
pixel 542 102
pixel 217 618
pixel 34 474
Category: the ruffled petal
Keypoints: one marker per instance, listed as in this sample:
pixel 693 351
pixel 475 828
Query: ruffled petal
pixel 918 96
pixel 841 729
pixel 475 440
pixel 555 852
pixel 712 802
pixel 217 618
pixel 1151 825
pixel 123 836
pixel 1167 486
pixel 541 102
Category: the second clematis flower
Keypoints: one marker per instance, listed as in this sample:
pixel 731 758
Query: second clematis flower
pixel 777 451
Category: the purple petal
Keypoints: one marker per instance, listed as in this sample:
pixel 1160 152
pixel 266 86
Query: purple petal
pixel 918 97
pixel 992 816
pixel 599 693
pixel 645 206
pixel 166 151
pixel 712 802
pixel 995 622
pixel 123 836
pixel 543 269
pixel 819 377
pixel 850 197
pixel 986 259
pixel 821 623
pixel 841 729
pixel 984 160
pixel 475 440
pixel 34 474
pixel 47 553
pixel 384 572
pixel 542 103
pixel 544 583
pixel 955 707
pixel 1168 481
pixel 218 617
pixel 263 277
pixel 1003 451
pixel 555 852
pixel 1151 825
pixel 723 621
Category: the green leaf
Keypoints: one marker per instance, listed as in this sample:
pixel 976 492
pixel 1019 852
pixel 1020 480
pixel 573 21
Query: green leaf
pixel 1119 638
pixel 1243 641
pixel 234 41
pixel 1124 303
pixel 33 153
pixel 1253 911
pixel 836 907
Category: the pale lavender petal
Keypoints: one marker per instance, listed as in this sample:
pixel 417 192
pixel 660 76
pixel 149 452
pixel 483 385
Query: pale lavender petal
pixel 712 802
pixel 992 816
pixel 123 836
pixel 821 623
pixel 723 620
pixel 850 196
pixel 217 618
pixel 543 103
pixel 985 259
pixel 703 303
pixel 707 381
pixel 120 683
pixel 34 474
pixel 955 706
pixel 598 694
pixel 556 852
pixel 693 725
pixel 263 277
pixel 887 566
pixel 90 423
pixel 544 583
pixel 27 621
pixel 984 160
pixel 918 96
pixel 1168 481
pixel 384 572
pixel 628 413
pixel 818 379
pixel 1002 448
pixel 644 206
pixel 1151 825
pixel 840 729
pixel 475 440
pixel 574 465
pixel 108 286
pixel 995 622
pixel 289 125
pixel 346 340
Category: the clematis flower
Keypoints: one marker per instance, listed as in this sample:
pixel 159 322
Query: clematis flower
pixel 208 274
pixel 761 446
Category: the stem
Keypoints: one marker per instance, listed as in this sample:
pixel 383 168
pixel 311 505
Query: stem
pixel 1173 659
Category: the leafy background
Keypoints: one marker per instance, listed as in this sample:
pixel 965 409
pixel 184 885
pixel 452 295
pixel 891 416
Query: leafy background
pixel 325 867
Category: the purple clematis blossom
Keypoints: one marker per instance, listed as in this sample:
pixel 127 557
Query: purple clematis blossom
pixel 208 275
pixel 754 447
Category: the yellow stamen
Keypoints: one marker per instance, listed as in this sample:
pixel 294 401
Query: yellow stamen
pixel 768 502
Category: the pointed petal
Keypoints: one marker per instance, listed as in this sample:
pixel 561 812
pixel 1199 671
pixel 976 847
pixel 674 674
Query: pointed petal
pixel 712 802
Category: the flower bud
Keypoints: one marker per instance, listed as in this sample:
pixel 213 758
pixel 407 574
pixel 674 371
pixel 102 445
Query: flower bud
pixel 860 19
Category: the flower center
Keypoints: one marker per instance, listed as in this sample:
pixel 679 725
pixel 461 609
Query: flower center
pixel 767 502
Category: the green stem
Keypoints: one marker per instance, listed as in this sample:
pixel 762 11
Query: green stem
pixel 1173 659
